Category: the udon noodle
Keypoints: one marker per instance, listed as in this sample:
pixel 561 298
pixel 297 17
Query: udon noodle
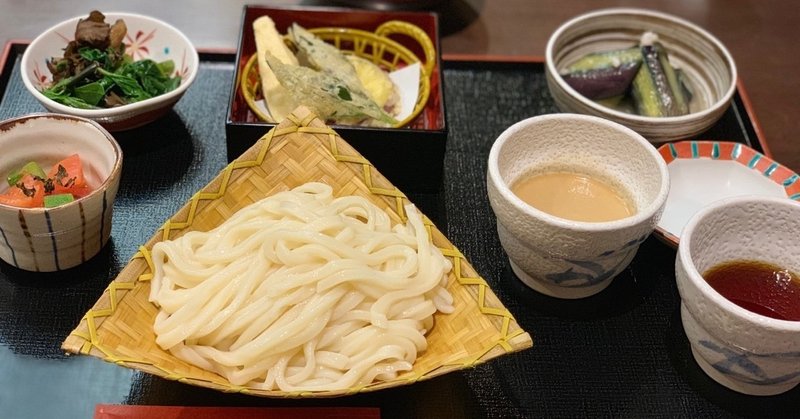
pixel 301 291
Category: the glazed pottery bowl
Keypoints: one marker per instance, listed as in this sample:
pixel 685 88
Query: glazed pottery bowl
pixel 52 239
pixel 560 257
pixel 706 64
pixel 740 349
pixel 146 38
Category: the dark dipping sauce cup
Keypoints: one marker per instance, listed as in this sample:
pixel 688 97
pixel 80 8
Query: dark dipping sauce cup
pixel 745 351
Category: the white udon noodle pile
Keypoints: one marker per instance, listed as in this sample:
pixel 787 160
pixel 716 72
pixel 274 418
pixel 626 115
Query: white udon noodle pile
pixel 301 291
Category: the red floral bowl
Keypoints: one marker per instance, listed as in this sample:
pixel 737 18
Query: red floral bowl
pixel 146 38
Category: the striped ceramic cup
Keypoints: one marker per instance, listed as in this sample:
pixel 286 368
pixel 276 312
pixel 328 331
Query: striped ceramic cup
pixel 52 239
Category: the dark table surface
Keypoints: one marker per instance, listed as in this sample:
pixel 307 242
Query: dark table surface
pixel 622 353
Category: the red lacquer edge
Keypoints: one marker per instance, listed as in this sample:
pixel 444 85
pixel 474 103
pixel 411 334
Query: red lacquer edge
pixel 751 115
pixel 7 49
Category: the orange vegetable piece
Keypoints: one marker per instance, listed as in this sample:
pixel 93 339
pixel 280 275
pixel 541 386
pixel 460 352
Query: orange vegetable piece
pixel 16 196
pixel 64 183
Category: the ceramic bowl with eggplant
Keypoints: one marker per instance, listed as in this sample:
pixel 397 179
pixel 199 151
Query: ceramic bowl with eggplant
pixel 662 76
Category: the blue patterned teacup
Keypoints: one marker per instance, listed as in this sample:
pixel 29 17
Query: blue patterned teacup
pixel 557 256
pixel 740 349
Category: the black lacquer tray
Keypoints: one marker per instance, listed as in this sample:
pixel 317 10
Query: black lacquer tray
pixel 621 353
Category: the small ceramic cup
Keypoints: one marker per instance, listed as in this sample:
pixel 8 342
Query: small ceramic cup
pixel 742 350
pixel 52 239
pixel 560 257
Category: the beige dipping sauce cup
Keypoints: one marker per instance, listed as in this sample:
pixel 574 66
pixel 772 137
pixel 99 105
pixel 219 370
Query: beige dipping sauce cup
pixel 559 257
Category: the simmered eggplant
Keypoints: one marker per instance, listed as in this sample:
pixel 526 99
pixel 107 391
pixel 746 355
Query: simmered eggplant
pixel 657 90
pixel 639 79
pixel 604 75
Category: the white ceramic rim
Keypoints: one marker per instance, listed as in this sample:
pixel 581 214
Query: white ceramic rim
pixel 640 216
pixel 697 278
pixel 103 186
pixel 722 102
pixel 673 239
pixel 120 110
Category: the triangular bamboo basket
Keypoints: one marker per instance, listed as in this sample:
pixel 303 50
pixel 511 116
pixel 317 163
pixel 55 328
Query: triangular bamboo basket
pixel 119 328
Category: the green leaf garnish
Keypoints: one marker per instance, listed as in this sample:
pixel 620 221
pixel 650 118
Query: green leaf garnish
pixel 91 93
pixel 343 93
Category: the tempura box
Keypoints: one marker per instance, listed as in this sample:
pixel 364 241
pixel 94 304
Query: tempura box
pixel 411 155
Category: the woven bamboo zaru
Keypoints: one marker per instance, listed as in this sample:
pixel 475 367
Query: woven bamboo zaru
pixel 376 47
pixel 119 328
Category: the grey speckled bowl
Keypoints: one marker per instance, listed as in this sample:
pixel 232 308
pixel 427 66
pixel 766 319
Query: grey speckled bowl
pixel 740 349
pixel 707 64
pixel 564 258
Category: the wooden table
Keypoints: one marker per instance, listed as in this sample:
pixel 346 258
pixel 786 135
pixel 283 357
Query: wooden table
pixel 760 35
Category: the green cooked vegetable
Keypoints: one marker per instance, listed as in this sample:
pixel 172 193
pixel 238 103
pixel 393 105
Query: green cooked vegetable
pixel 656 89
pixel 95 72
pixel 125 80
pixel 51 201
pixel 604 75
pixel 31 168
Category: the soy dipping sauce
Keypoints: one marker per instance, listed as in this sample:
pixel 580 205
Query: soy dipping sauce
pixel 760 287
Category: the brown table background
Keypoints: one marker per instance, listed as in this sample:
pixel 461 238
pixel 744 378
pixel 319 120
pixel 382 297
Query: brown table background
pixel 761 35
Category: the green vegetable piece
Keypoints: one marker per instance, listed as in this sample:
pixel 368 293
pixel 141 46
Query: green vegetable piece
pixel 91 93
pixel 129 86
pixel 166 67
pixel 153 77
pixel 65 99
pixel 674 81
pixel 14 177
pixel 61 92
pixel 172 84
pixel 109 59
pixel 34 169
pixel 607 59
pixel 603 75
pixel 68 82
pixel 153 86
pixel 93 54
pixel 51 201
pixel 31 168
pixel 344 94
pixel 113 74
pixel 656 89
pixel 683 80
